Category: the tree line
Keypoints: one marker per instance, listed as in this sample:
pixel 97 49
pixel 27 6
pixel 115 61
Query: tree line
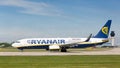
pixel 5 44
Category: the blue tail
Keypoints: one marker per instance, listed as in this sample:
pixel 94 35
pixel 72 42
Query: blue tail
pixel 104 32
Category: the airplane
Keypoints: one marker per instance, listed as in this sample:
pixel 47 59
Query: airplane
pixel 62 44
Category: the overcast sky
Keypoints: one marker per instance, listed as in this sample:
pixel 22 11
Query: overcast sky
pixel 56 18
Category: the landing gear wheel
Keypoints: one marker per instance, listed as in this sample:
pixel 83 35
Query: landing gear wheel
pixel 63 49
pixel 47 49
pixel 21 49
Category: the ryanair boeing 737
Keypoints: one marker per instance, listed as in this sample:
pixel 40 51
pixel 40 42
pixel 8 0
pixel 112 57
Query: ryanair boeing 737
pixel 61 44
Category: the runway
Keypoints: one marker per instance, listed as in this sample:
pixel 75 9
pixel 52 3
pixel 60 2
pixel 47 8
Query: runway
pixel 114 51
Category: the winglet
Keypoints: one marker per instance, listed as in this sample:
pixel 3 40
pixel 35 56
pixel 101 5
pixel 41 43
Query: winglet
pixel 88 38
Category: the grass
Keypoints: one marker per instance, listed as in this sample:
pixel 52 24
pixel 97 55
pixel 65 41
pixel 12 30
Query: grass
pixel 105 61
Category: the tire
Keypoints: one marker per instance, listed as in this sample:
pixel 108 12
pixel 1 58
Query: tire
pixel 63 49
pixel 47 49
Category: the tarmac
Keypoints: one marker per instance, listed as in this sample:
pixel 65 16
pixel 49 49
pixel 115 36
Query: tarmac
pixel 114 51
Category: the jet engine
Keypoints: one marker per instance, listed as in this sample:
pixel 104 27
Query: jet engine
pixel 54 48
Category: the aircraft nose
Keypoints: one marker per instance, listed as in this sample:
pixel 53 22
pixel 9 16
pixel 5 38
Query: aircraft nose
pixel 14 45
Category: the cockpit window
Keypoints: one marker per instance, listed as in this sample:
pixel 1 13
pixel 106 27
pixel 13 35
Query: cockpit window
pixel 17 42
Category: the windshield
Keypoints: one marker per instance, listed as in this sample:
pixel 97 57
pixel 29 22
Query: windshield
pixel 17 42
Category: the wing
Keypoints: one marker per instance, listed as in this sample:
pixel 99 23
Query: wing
pixel 75 43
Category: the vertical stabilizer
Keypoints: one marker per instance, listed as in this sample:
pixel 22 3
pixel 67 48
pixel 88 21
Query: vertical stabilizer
pixel 104 31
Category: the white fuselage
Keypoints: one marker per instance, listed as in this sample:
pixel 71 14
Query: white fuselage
pixel 54 41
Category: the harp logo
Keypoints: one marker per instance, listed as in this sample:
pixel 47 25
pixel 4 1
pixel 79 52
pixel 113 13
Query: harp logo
pixel 105 30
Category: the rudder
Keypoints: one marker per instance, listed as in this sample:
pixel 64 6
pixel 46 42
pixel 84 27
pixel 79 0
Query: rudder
pixel 104 32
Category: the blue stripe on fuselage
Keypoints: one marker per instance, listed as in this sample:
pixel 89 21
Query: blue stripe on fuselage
pixel 86 45
pixel 34 47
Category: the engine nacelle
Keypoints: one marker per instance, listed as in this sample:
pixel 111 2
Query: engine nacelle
pixel 54 47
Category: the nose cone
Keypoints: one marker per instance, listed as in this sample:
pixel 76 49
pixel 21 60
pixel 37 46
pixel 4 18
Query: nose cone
pixel 14 45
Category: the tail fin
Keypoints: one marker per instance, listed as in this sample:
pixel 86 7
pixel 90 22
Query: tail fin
pixel 104 32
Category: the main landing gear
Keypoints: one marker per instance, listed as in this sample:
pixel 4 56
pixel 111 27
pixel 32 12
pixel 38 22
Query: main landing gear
pixel 21 49
pixel 63 49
